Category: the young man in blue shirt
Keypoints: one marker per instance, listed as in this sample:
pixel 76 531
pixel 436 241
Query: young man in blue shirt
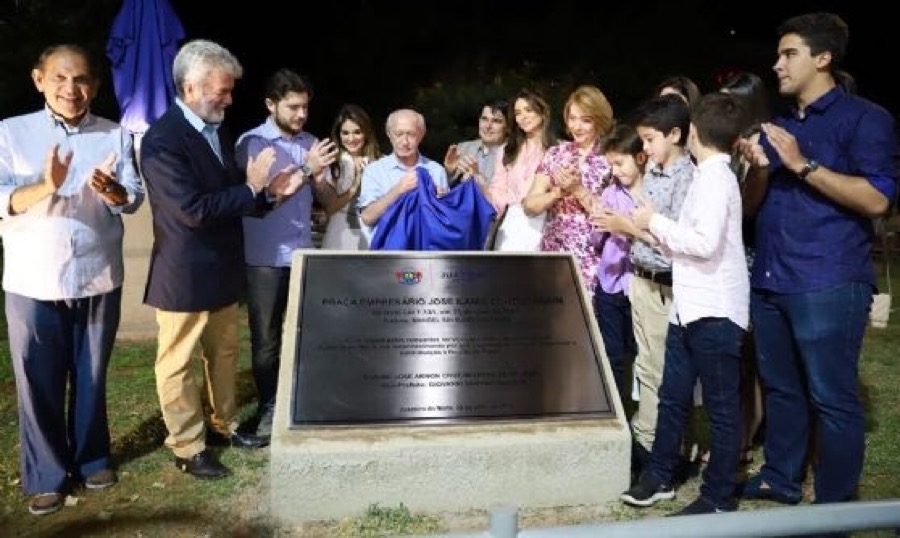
pixel 821 173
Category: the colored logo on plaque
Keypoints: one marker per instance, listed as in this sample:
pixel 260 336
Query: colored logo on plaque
pixel 408 277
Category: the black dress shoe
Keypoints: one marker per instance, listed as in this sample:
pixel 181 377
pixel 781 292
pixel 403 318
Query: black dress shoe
pixel 203 465
pixel 236 439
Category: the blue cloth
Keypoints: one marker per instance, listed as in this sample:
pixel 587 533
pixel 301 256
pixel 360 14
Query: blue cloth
pixel 142 44
pixel 420 220
pixel 804 240
pixel 381 176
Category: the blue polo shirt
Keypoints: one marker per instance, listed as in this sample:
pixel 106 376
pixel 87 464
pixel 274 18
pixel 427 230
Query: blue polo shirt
pixel 270 240
pixel 804 240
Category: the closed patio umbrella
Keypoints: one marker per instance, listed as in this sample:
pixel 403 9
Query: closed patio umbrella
pixel 143 40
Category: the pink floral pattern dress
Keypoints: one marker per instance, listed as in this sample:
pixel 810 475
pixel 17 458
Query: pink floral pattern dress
pixel 568 227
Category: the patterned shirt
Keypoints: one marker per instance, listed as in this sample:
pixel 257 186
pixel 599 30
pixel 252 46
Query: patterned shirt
pixel 568 227
pixel 666 189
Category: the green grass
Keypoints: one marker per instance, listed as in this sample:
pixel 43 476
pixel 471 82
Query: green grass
pixel 154 499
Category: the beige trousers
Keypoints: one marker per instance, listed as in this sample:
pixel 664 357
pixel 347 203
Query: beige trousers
pixel 650 303
pixel 180 396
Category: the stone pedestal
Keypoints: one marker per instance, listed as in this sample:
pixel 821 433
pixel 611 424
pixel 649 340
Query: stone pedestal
pixel 330 474
pixel 333 471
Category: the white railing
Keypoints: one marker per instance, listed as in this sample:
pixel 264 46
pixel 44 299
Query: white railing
pixel 794 521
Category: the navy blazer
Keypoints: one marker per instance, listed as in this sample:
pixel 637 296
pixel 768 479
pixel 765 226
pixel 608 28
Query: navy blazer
pixel 197 261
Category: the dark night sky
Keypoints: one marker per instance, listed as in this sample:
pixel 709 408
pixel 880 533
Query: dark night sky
pixel 377 53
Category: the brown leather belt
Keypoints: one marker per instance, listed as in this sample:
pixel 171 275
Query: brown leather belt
pixel 660 277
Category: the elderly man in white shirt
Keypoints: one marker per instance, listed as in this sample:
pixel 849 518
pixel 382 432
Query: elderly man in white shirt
pixel 390 177
pixel 65 178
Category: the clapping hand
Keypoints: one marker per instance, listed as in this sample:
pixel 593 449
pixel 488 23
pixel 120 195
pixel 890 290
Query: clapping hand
pixel 644 211
pixel 751 150
pixel 785 144
pixel 321 154
pixel 359 164
pixel 103 182
pixel 258 169
pixel 568 179
pixel 451 159
pixel 287 181
pixel 468 167
pixel 56 168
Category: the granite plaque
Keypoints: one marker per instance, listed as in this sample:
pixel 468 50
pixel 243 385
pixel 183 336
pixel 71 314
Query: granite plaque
pixel 442 338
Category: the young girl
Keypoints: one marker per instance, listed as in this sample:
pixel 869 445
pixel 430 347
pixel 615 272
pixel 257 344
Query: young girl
pixel 623 149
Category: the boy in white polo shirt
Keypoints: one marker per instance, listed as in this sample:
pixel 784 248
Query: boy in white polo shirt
pixel 708 317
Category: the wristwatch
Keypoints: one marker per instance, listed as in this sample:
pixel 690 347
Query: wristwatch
pixel 811 166
pixel 307 171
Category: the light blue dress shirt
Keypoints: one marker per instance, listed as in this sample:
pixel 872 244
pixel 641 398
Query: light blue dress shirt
pixel 269 241
pixel 68 245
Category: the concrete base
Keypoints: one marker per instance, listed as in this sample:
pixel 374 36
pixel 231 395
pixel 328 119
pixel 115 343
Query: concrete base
pixel 331 474
pixel 334 472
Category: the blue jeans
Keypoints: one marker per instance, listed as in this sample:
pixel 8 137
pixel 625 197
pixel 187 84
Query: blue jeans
pixel 60 346
pixel 807 349
pixel 709 348
pixel 613 313
pixel 267 294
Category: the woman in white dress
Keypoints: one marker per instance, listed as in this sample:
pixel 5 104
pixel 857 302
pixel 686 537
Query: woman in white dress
pixel 530 136
pixel 357 147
